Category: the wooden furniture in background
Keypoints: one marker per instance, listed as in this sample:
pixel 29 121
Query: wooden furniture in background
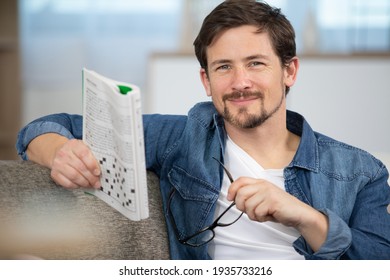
pixel 10 88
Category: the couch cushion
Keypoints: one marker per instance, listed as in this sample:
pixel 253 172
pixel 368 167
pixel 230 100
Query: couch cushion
pixel 41 219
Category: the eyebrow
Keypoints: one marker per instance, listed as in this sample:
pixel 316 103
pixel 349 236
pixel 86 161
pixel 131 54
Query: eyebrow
pixel 257 56
pixel 249 58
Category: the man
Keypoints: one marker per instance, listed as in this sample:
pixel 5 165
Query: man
pixel 303 194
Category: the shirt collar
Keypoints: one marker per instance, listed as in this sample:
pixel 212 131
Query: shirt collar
pixel 307 154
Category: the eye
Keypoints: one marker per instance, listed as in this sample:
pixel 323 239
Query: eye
pixel 224 67
pixel 255 63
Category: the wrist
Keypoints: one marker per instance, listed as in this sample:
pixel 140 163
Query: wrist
pixel 315 229
pixel 43 149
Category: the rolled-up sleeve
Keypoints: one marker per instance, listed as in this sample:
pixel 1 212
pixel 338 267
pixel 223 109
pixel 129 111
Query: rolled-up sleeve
pixel 69 126
pixel 338 240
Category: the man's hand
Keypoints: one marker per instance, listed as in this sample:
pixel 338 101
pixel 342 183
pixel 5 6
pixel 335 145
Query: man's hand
pixel 262 201
pixel 71 162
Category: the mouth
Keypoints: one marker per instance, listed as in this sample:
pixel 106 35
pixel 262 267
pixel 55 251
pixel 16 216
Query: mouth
pixel 243 98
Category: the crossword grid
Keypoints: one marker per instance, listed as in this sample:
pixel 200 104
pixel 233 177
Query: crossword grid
pixel 114 182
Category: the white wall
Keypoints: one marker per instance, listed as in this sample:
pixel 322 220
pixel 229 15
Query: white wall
pixel 348 99
pixel 343 97
pixel 173 84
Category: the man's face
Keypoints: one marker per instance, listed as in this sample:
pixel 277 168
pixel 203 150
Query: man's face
pixel 245 77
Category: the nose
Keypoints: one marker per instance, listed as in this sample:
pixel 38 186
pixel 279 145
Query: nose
pixel 241 79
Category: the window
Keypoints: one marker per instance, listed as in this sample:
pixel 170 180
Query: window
pixel 59 37
pixel 117 36
pixel 354 26
pixel 333 26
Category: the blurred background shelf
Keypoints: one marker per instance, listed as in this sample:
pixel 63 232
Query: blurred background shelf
pixel 10 87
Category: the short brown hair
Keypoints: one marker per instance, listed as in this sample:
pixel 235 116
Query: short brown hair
pixel 235 13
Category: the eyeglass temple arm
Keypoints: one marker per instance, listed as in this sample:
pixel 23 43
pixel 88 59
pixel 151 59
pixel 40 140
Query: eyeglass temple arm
pixel 227 172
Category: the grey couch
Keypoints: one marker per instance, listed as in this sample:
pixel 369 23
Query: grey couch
pixel 39 219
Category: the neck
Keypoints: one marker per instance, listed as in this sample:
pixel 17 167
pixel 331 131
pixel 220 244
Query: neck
pixel 270 144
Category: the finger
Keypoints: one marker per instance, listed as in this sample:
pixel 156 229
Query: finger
pixel 69 177
pixel 247 197
pixel 237 185
pixel 82 159
pixel 257 198
pixel 79 173
pixel 257 208
pixel 270 203
pixel 69 165
pixel 82 151
pixel 86 163
pixel 63 181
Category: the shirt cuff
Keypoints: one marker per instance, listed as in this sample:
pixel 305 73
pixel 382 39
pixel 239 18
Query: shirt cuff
pixel 337 242
pixel 33 130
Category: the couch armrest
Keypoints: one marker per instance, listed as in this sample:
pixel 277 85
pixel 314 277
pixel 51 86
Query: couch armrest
pixel 41 219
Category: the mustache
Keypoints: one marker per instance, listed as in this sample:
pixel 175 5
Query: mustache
pixel 243 94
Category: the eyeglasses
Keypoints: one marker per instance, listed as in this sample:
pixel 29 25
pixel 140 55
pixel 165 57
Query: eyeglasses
pixel 206 234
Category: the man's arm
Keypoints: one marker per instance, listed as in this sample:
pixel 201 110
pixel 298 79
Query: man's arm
pixel 51 141
pixel 71 162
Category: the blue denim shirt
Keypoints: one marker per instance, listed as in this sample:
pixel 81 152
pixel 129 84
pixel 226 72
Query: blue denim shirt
pixel 345 183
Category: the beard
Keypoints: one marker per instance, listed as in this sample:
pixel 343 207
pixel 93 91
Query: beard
pixel 244 119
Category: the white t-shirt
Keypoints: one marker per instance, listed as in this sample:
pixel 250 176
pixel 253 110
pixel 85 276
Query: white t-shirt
pixel 247 239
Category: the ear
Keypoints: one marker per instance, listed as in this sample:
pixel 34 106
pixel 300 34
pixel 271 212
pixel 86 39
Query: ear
pixel 291 71
pixel 205 81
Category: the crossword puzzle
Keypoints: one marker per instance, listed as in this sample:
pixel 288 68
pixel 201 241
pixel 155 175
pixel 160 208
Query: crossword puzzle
pixel 116 181
pixel 112 128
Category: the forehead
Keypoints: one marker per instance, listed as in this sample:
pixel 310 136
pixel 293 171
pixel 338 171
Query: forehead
pixel 243 40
